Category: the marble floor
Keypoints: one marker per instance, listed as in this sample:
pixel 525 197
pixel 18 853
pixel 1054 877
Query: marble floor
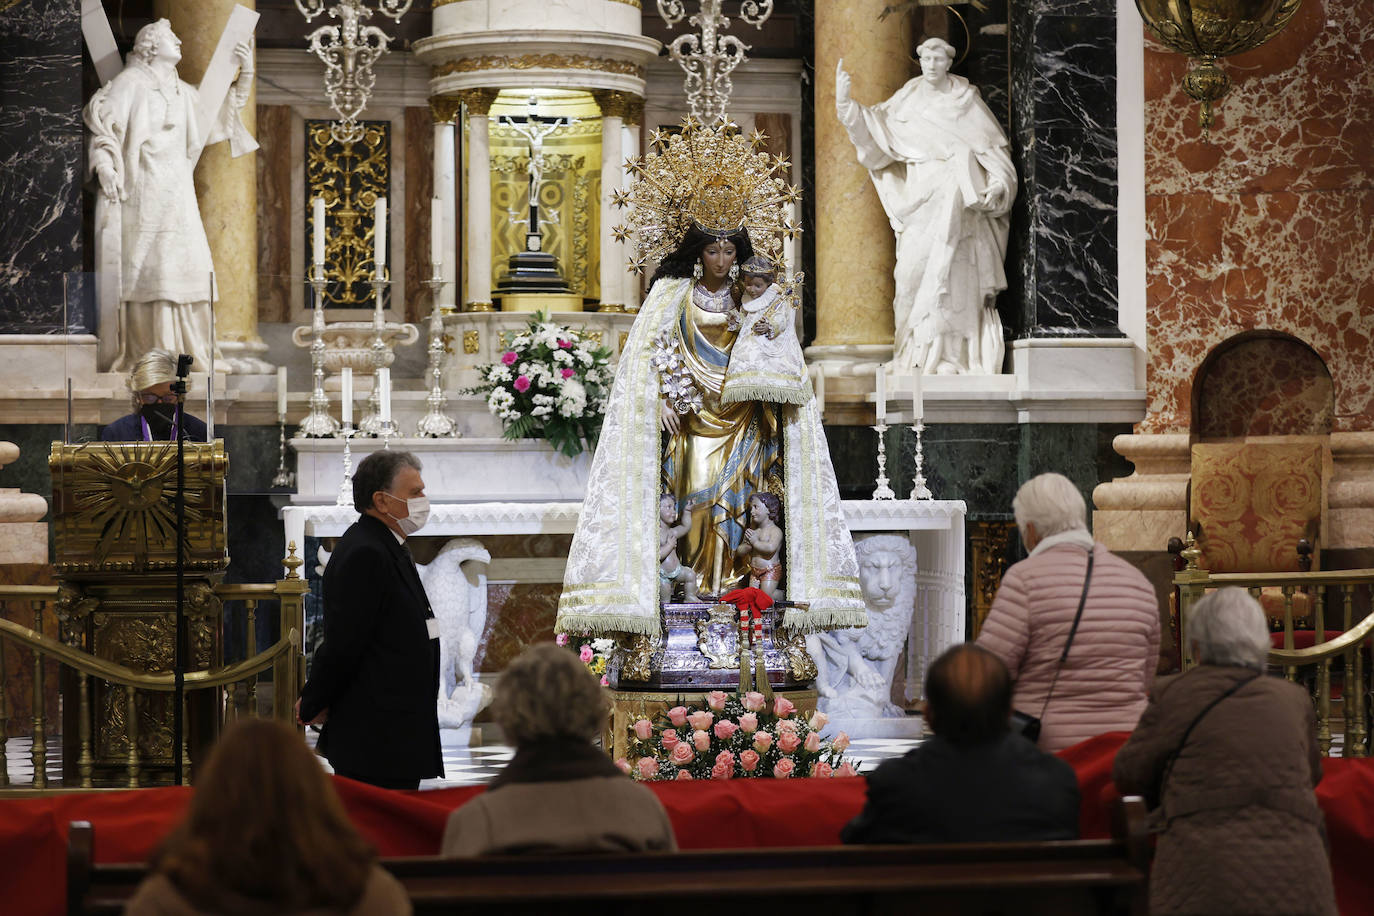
pixel 463 765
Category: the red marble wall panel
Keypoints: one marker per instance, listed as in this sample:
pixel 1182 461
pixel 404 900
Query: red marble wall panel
pixel 1265 222
pixel 1264 386
pixel 517 616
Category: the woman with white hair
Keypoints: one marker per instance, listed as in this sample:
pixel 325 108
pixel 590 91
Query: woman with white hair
pixel 156 417
pixel 1072 594
pixel 1228 758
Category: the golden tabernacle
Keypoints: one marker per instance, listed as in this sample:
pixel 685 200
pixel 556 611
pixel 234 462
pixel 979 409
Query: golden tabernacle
pixel 114 533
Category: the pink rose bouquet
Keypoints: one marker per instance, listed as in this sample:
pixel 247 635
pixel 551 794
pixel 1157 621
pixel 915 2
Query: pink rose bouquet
pixel 754 702
pixel 782 707
pixel 724 729
pixel 701 719
pixel 716 699
pixel 678 716
pixel 784 768
pixel 749 723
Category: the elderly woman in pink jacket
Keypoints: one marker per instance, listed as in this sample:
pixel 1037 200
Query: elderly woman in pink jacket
pixel 1104 682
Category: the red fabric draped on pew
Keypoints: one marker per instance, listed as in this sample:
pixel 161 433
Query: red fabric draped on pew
pixel 705 815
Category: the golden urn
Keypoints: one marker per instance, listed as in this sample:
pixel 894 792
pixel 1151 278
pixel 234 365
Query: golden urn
pixel 1207 29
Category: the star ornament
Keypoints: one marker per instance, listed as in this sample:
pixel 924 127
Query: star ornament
pixel 757 138
pixel 621 198
pixel 620 233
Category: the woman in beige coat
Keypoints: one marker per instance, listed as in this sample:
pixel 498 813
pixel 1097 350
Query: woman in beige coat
pixel 1228 759
pixel 559 793
pixel 1106 678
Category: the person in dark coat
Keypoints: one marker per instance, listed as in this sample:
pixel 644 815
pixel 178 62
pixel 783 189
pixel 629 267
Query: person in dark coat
pixel 974 780
pixel 374 681
pixel 156 417
pixel 1227 758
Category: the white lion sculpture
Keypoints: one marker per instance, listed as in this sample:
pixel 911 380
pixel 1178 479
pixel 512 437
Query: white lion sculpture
pixel 456 583
pixel 856 665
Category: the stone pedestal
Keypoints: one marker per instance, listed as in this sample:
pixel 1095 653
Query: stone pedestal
pixel 23 538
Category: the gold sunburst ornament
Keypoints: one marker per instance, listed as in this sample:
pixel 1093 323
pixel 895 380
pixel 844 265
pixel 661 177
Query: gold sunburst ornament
pixel 710 177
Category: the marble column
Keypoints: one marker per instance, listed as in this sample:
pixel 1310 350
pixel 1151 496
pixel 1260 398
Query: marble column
pixel 629 148
pixel 477 238
pixel 445 111
pixel 227 190
pixel 855 246
pixel 1064 222
pixel 40 184
pixel 612 257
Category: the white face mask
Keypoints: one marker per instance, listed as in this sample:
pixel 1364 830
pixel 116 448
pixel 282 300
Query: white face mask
pixel 418 509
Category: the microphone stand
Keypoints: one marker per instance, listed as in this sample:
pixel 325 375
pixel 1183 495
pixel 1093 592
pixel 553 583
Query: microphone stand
pixel 179 660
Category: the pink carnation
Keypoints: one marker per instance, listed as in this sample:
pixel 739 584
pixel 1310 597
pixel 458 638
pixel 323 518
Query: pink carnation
pixel 682 754
pixel 722 771
pixel 716 699
pixel 847 770
pixel 701 719
pixel 569 373
pixel 725 728
pixel 762 742
pixel 822 770
pixel 700 740
pixel 754 702
pixel 623 764
pixel 561 639
pixel 812 742
pixel 648 767
pixel 747 759
pixel 564 344
pixel 749 723
pixel 509 357
pixel 783 768
pixel 788 742
pixel 841 742
pixel 670 739
pixel 684 774
pixel 585 654
pixel 678 716
pixel 522 384
pixel 782 707
pixel 644 729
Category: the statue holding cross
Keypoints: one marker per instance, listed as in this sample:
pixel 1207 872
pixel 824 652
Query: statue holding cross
pixel 148 129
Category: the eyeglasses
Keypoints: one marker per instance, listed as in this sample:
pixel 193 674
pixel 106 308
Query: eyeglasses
pixel 158 398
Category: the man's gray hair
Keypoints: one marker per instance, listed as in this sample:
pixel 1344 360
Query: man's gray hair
pixel 378 472
pixel 1051 503
pixel 145 42
pixel 937 44
pixel 1228 627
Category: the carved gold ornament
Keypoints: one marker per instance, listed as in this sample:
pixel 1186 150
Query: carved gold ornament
pixel 712 177
pixel 470 342
pixel 1207 29
pixel 539 62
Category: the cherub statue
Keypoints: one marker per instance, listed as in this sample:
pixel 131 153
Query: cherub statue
pixel 762 544
pixel 670 569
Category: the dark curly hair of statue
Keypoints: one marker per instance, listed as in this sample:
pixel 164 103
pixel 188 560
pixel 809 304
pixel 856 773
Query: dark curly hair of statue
pixel 771 503
pixel 685 256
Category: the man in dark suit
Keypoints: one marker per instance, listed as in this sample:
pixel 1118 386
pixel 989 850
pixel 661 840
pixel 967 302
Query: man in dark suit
pixel 975 780
pixel 156 417
pixel 374 681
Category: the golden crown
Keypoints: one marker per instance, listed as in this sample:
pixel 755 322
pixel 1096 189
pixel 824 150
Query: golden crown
pixel 710 177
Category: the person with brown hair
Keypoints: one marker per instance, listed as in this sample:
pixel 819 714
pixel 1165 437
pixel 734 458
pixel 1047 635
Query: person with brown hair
pixel 558 793
pixel 265 833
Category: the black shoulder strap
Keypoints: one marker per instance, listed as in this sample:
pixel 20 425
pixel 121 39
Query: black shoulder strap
pixel 1187 732
pixel 1073 630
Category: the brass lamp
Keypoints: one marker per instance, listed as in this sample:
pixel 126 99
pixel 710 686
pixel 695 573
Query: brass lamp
pixel 1207 29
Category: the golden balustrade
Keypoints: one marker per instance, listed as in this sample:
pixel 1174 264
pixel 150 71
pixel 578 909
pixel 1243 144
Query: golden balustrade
pixel 284 658
pixel 1331 590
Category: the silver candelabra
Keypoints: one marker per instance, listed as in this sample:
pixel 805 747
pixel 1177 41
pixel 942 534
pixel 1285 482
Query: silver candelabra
pixel 372 425
pixel 919 490
pixel 882 491
pixel 436 424
pixel 345 497
pixel 283 478
pixel 318 424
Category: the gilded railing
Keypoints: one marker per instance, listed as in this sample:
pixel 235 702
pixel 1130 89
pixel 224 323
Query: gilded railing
pixel 240 678
pixel 1324 602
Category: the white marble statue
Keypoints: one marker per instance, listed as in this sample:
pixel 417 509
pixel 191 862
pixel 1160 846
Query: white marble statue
pixel 456 583
pixel 940 162
pixel 145 141
pixel 855 667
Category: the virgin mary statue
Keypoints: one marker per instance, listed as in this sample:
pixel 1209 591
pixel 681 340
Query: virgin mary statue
pixel 704 204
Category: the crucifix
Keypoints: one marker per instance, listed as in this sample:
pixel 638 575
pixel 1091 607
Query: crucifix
pixel 535 130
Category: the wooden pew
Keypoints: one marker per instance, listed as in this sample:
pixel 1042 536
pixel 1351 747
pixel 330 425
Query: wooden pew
pixel 1061 878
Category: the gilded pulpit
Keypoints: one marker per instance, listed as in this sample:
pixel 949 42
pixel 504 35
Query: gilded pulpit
pixel 114 533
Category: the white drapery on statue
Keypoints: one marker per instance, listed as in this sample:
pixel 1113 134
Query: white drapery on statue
pixel 612 579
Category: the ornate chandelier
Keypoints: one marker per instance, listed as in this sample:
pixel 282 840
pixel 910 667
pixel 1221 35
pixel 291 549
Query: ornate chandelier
pixel 709 58
pixel 348 51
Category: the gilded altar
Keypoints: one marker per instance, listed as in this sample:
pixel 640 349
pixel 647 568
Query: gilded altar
pixel 114 532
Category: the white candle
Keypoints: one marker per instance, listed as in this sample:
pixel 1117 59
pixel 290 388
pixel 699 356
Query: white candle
pixel 346 395
pixel 917 398
pixel 318 204
pixel 281 391
pixel 384 380
pixel 379 235
pixel 880 394
pixel 436 234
